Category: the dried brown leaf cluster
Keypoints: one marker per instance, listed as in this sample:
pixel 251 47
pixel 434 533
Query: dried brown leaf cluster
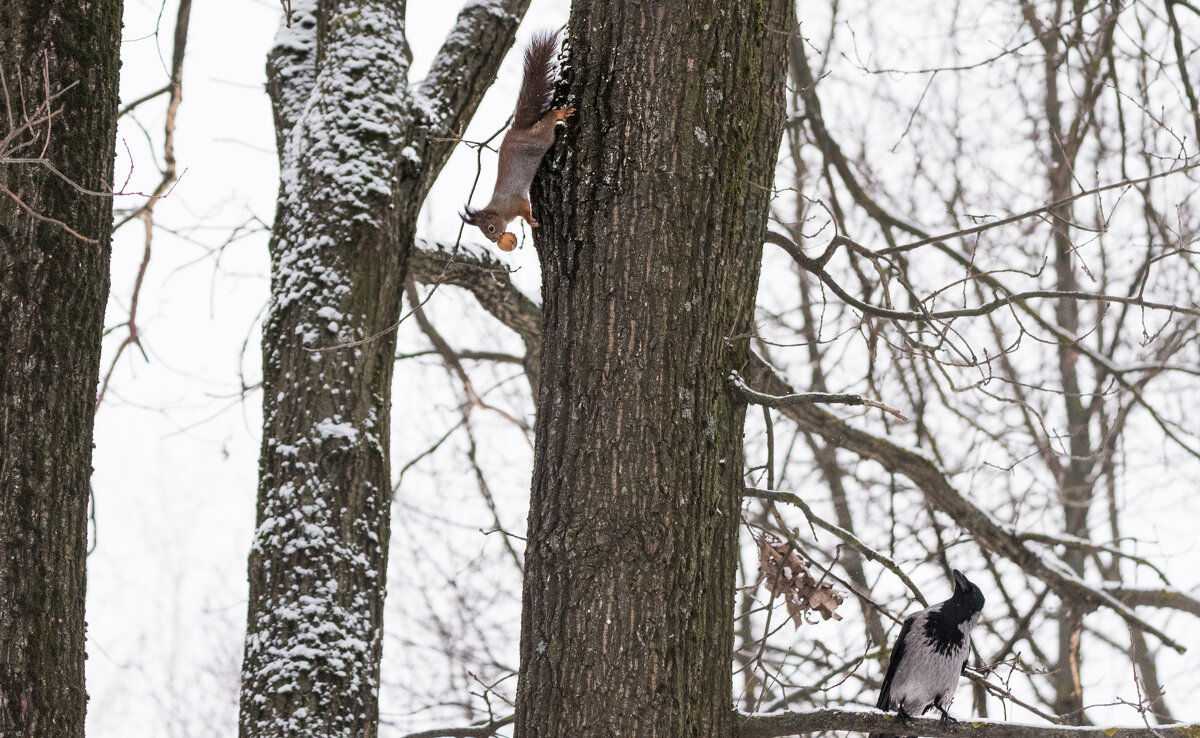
pixel 786 575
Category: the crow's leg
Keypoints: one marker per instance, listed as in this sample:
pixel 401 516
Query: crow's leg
pixel 946 719
pixel 905 718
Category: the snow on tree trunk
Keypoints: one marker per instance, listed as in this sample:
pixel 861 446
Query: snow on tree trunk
pixel 314 633
pixel 650 244
pixel 358 151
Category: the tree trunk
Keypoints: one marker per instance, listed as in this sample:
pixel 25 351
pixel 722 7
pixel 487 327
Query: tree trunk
pixel 53 288
pixel 650 244
pixel 358 151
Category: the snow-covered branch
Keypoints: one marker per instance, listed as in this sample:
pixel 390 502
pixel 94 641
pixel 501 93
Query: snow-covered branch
pixel 488 280
pixel 482 730
pixel 497 295
pixel 795 723
pixel 462 71
pixel 940 493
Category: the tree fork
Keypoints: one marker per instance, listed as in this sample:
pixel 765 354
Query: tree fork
pixel 359 149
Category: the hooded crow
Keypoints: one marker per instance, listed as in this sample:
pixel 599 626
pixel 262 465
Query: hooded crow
pixel 930 654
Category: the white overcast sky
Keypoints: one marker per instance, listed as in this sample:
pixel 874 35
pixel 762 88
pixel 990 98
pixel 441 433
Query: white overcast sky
pixel 176 446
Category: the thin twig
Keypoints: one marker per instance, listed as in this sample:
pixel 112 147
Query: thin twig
pixel 805 398
pixel 844 535
pixel 1035 211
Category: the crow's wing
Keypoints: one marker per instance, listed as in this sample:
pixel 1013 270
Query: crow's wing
pixel 885 692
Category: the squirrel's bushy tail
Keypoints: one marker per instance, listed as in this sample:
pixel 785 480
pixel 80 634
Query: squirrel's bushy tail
pixel 538 85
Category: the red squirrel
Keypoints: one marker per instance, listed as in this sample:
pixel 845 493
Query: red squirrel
pixel 524 145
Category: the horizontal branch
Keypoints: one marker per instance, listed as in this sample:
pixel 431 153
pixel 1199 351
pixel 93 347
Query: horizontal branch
pixel 816 267
pixel 1167 598
pixel 1090 546
pixel 468 355
pixel 474 731
pixel 143 99
pixel 942 495
pixel 804 398
pixel 488 280
pixel 874 721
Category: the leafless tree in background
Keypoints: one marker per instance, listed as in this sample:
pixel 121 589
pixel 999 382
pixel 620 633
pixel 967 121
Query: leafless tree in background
pixel 1042 347
pixel 1034 345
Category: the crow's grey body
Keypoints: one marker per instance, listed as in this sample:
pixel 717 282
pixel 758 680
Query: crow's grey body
pixel 926 674
pixel 930 654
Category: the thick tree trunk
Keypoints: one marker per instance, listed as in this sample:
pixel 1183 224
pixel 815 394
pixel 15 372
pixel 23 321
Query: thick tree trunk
pixel 53 287
pixel 318 562
pixel 358 151
pixel 650 244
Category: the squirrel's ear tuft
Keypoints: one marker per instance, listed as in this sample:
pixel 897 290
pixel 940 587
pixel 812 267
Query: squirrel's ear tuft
pixel 468 215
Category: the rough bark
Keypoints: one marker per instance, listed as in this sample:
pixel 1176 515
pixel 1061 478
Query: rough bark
pixel 874 722
pixel 53 287
pixel 358 151
pixel 651 235
pixel 488 280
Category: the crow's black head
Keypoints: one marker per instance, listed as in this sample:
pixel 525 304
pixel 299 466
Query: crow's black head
pixel 966 595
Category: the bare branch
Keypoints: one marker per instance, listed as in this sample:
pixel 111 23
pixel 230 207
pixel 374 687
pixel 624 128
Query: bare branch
pixel 804 398
pixel 874 721
pixel 488 280
pixel 938 491
pixel 175 86
pixel 477 731
pixel 134 338
pixel 165 186
pixel 816 267
pixel 129 107
pixel 1181 60
pixel 1035 211
pixel 461 73
pixel 844 535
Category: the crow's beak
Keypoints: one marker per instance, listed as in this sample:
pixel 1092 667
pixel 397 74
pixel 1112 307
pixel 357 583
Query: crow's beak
pixel 961 583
